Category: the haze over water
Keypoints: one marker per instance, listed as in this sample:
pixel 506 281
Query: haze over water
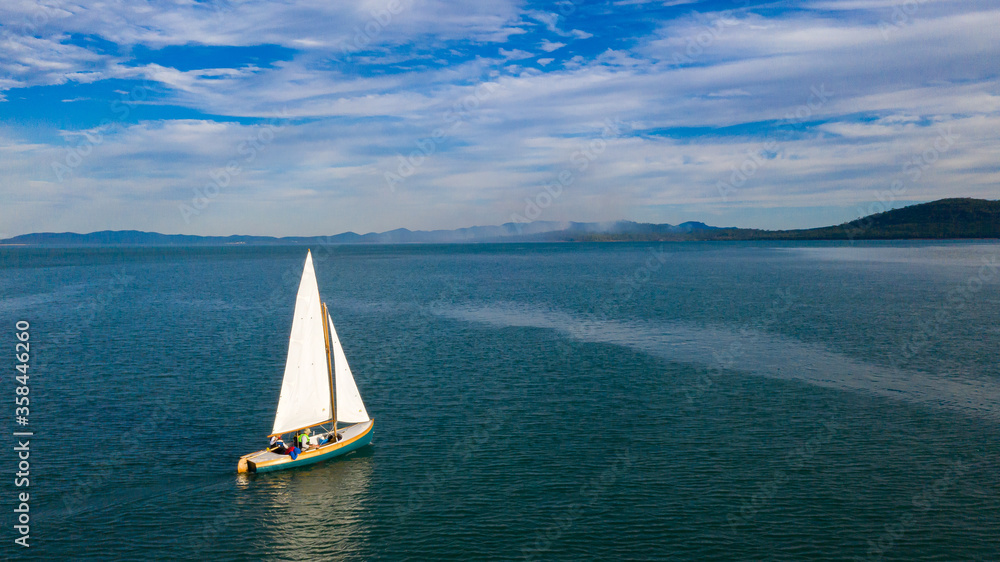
pixel 688 401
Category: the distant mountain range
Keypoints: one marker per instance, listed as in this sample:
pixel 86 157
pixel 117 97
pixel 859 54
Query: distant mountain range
pixel 537 231
pixel 946 218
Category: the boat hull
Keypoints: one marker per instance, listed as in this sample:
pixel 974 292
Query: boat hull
pixel 354 438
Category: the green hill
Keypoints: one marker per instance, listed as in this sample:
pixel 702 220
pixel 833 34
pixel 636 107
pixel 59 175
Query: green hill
pixel 945 218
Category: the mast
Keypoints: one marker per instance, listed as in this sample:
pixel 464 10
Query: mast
pixel 329 366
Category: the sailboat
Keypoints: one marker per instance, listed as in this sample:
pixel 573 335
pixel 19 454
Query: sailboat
pixel 318 392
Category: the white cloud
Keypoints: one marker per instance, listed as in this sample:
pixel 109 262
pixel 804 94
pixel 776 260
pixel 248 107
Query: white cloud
pixel 549 46
pixel 864 5
pixel 515 54
pixel 664 3
pixel 729 93
pixel 32 61
pixel 35 50
pixel 548 19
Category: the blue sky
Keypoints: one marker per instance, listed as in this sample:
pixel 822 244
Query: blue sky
pixel 312 117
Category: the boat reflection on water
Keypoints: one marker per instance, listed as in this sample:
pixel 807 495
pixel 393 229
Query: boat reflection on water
pixel 316 512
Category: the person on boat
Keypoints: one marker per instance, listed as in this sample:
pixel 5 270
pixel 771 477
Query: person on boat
pixel 277 445
pixel 304 439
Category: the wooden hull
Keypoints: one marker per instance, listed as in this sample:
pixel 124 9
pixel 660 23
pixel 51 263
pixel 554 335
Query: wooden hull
pixel 354 438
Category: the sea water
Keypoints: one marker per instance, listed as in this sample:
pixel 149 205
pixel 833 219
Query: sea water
pixel 683 401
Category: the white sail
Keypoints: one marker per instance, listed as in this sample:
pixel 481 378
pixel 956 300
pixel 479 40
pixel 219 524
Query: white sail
pixel 305 390
pixel 350 408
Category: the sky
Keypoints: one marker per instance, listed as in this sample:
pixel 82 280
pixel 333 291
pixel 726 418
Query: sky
pixel 316 117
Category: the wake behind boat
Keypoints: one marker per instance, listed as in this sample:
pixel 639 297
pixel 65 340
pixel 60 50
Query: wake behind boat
pixel 318 392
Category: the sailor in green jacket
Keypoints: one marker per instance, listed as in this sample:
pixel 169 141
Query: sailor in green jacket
pixel 304 439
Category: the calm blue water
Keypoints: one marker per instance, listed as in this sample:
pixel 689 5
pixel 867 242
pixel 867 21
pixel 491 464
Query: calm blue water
pixel 699 401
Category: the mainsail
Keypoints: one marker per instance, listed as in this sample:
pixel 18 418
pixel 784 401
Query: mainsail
pixel 305 390
pixel 350 408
